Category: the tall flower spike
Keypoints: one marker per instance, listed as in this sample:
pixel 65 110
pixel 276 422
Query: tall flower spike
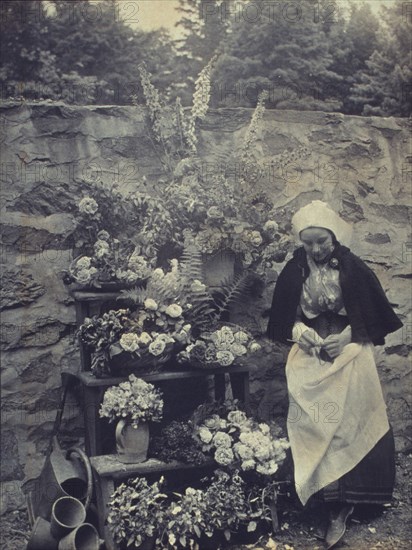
pixel 201 100
pixel 252 131
pixel 152 98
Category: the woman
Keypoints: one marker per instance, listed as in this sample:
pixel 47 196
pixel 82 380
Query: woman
pixel 332 306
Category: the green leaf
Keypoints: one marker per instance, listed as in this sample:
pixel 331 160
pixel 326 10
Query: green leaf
pixel 251 526
pixel 115 349
pixel 227 534
pixel 197 531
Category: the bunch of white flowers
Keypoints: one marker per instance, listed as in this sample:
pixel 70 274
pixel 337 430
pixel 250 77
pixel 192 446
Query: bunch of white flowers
pixel 82 270
pixel 240 440
pixel 135 400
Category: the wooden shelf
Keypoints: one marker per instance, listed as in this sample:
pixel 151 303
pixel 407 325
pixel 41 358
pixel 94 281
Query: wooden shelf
pixel 90 381
pixel 110 466
pixel 93 389
pixel 92 296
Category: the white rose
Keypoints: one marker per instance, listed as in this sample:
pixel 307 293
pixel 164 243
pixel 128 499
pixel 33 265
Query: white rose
pixel 150 304
pixel 238 349
pixel 88 206
pixel 83 262
pixel 225 358
pixel 254 347
pixel 205 435
pixel 270 226
pixel 145 338
pixel 157 347
pixel 241 337
pixel 174 311
pixel 197 286
pixel 129 342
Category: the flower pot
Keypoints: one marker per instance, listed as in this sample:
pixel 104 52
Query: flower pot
pixel 213 542
pixel 148 544
pixel 41 537
pixel 132 443
pixel 125 363
pixel 84 537
pixel 67 514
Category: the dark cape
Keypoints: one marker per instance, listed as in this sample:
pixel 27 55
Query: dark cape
pixel 369 312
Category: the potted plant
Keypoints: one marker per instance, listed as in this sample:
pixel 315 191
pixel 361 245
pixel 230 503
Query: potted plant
pixel 165 315
pixel 116 237
pixel 223 207
pixel 132 404
pixel 176 442
pixel 225 346
pixel 136 510
pixel 143 336
pixel 185 520
pixel 222 510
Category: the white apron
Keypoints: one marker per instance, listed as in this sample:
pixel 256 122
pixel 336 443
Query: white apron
pixel 337 414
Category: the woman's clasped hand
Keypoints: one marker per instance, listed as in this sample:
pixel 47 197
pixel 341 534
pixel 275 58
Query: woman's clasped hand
pixel 311 343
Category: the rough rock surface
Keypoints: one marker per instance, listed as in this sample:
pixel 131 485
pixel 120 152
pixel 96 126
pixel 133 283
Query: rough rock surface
pixel 361 165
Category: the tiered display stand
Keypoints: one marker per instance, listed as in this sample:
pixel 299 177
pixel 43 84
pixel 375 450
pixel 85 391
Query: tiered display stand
pixel 108 472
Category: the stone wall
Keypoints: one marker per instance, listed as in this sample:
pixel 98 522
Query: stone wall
pixel 360 165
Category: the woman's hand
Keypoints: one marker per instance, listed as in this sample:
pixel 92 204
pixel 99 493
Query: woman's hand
pixel 308 341
pixel 335 343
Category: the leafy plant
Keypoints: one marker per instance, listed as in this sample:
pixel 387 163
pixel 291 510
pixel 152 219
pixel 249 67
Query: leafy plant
pixel 210 209
pixel 176 442
pixel 136 509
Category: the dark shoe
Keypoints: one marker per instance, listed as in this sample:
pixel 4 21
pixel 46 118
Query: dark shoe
pixel 337 526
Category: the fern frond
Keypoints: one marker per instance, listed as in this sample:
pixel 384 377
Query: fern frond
pixel 191 264
pixel 231 292
pixel 136 295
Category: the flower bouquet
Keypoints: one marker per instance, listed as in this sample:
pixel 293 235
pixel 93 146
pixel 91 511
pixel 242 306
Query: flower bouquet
pixel 228 345
pixel 135 401
pixel 238 441
pixel 132 404
pixel 116 238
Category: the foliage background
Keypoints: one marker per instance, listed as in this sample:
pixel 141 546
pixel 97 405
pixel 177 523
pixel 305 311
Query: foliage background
pixel 309 54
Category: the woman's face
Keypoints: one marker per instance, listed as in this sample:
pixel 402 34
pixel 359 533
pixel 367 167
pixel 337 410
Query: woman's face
pixel 317 242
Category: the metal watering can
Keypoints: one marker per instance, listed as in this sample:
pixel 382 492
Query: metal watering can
pixel 66 477
pixel 62 476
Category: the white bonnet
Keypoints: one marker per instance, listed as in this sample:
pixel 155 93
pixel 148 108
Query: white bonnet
pixel 319 214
